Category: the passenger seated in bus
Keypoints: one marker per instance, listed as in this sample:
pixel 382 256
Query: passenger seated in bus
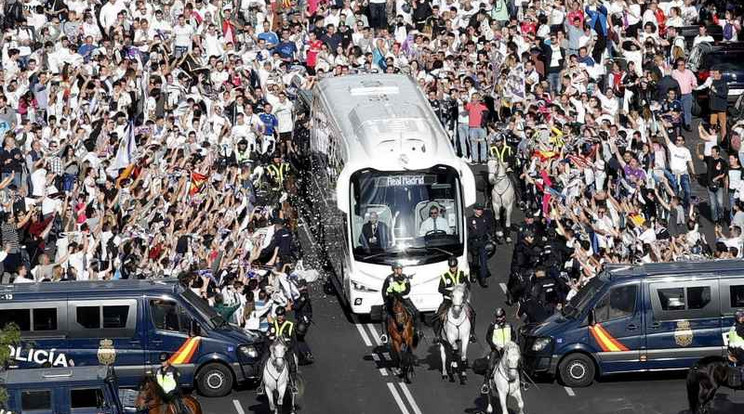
pixel 434 223
pixel 375 234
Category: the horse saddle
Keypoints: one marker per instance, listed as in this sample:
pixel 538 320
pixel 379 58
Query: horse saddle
pixel 735 378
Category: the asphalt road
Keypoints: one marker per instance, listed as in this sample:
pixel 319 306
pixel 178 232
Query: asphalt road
pixel 352 372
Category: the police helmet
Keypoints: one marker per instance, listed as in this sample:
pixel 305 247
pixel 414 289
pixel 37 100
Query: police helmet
pixel 301 329
pixel 242 143
pixel 396 265
pixel 452 262
pixel 281 311
pixel 739 314
pixel 528 232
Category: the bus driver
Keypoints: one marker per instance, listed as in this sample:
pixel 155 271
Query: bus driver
pixel 434 223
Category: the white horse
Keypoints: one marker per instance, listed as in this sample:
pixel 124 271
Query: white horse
pixel 506 379
pixel 502 194
pixel 276 376
pixel 456 333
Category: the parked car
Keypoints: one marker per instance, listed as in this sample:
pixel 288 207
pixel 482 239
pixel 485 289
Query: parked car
pixel 727 57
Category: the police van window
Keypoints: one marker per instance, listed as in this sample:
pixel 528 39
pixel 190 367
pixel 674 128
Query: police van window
pixel 619 302
pixel 89 317
pixel 679 298
pixel 45 319
pixel 20 317
pixel 698 297
pixel 165 315
pixel 672 299
pixel 36 400
pixel 86 398
pixel 115 316
pixel 736 293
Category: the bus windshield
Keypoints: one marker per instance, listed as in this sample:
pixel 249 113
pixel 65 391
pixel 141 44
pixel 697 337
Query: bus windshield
pixel 413 215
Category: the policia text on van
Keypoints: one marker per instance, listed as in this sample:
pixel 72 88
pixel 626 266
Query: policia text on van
pixel 129 324
pixel 653 317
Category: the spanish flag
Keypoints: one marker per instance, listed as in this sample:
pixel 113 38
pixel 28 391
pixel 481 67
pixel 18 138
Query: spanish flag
pixel 197 182
pixel 185 352
pixel 607 342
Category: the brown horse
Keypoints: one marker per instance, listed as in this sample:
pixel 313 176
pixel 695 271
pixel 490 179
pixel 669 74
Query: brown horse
pixel 401 333
pixel 152 399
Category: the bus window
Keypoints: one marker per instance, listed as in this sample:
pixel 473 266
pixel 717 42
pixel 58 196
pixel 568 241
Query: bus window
pixel 45 319
pixel 36 400
pixel 165 315
pixel 90 398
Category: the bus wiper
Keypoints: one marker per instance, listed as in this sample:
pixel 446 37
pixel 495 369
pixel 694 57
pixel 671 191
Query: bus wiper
pixel 438 249
pixel 372 256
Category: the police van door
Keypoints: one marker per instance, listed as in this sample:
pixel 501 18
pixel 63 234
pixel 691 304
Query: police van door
pixel 617 328
pixel 168 337
pixel 104 332
pixel 683 323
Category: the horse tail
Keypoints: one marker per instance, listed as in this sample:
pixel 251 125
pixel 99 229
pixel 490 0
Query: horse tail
pixel 693 388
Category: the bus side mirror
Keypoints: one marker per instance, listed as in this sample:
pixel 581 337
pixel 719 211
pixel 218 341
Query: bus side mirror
pixel 194 328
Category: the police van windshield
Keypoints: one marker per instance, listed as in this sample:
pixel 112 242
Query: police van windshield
pixel 203 308
pixel 406 214
pixel 578 303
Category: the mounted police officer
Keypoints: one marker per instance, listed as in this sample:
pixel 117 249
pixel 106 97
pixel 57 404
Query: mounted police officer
pixel 167 377
pixel 397 285
pixel 499 333
pixel 736 339
pixel 282 328
pixel 479 229
pixel 450 279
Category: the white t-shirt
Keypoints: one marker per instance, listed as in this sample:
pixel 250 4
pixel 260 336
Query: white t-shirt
pixel 678 158
pixel 38 181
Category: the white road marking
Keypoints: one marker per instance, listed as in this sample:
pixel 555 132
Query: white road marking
pixel 362 332
pixel 238 407
pixel 396 396
pixel 409 396
pixel 386 356
pixel 383 371
pixel 569 391
pixel 503 286
pixel 375 335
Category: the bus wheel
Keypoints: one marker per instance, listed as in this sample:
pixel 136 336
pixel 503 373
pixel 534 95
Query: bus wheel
pixel 576 370
pixel 214 380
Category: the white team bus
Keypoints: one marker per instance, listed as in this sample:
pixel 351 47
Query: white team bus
pixel 378 149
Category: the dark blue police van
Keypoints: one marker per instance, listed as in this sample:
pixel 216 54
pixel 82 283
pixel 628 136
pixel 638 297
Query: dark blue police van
pixel 132 325
pixel 651 317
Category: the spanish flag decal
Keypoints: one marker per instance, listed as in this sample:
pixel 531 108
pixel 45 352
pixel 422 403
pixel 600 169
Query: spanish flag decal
pixel 185 352
pixel 606 341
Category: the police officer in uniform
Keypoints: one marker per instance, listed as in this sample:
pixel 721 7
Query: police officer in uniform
pixel 167 377
pixel 736 339
pixel 447 283
pixel 282 328
pixel 498 335
pixel 397 285
pixel 546 290
pixel 479 229
pixel 242 153
pixel 278 172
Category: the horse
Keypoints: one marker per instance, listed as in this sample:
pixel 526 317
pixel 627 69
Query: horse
pixel 705 377
pixel 152 399
pixel 276 376
pixel 401 334
pixel 456 333
pixel 502 195
pixel 506 379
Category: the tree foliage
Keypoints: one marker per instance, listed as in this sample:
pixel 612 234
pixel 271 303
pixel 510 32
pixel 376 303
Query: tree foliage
pixel 10 336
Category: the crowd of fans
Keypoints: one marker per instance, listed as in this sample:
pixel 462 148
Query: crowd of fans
pixel 148 139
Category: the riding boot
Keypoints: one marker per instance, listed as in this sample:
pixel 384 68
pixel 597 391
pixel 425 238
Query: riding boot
pixel 473 337
pixel 384 336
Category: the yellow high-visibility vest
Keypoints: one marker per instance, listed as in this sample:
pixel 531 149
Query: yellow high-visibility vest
pixel 501 335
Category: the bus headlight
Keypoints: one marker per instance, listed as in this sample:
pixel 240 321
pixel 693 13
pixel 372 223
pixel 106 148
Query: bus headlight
pixel 361 288
pixel 248 351
pixel 540 344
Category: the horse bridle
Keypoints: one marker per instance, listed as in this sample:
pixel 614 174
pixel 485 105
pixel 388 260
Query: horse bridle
pixel 499 178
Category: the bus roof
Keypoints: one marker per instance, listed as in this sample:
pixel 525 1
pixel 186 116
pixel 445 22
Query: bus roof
pixel 675 268
pixel 381 115
pixel 105 287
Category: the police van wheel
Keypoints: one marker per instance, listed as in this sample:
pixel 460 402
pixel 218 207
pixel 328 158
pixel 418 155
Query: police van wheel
pixel 214 380
pixel 576 370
